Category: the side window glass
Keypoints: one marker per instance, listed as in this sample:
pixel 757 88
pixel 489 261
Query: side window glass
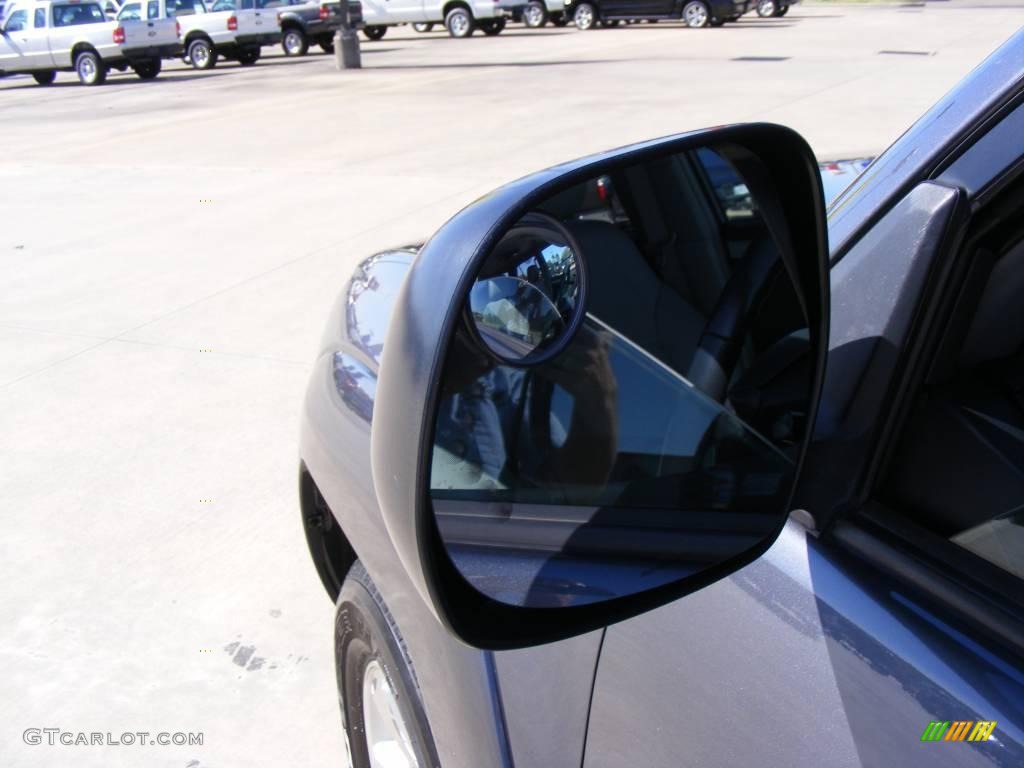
pixel 730 190
pixel 40 18
pixel 153 10
pixel 958 469
pixel 130 12
pixel 17 21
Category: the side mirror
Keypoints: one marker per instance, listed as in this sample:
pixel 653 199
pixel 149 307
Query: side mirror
pixel 599 381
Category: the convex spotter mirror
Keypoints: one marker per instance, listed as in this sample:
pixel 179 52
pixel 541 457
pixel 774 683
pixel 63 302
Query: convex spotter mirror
pixel 624 403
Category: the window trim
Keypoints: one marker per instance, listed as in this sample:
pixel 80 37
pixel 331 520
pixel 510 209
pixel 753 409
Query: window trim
pixel 983 596
pixel 979 594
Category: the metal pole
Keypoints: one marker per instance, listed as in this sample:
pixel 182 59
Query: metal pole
pixel 346 42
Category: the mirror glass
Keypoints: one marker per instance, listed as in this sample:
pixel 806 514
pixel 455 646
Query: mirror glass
pixel 625 403
pixel 526 300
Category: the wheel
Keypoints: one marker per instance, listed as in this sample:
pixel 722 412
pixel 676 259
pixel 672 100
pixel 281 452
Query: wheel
pixel 375 32
pixel 200 53
pixel 695 14
pixel 90 68
pixel 423 26
pixel 492 27
pixel 559 19
pixel 765 8
pixel 327 45
pixel 294 42
pixel 782 10
pixel 535 15
pixel 380 701
pixel 585 16
pixel 716 22
pixel 249 56
pixel 44 78
pixel 459 22
pixel 148 69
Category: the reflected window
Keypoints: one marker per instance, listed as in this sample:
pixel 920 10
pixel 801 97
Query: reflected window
pixel 371 299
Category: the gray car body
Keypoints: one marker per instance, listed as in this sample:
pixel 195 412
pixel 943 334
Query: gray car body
pixel 814 654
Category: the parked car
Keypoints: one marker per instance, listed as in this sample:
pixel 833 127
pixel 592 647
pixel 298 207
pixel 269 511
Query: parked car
pixel 512 10
pixel 602 470
pixel 537 13
pixel 45 37
pixel 460 17
pixel 769 8
pixel 230 32
pixel 149 23
pixel 303 22
pixel 694 13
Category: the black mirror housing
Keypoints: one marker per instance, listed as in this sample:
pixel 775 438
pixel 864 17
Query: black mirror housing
pixel 430 312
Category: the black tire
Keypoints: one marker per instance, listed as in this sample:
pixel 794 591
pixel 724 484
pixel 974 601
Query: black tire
pixel 365 633
pixel 585 16
pixel 492 27
pixel 535 15
pixel 459 22
pixel 766 8
pixel 45 78
pixel 609 24
pixel 696 14
pixel 327 45
pixel 423 26
pixel 375 31
pixel 294 42
pixel 716 22
pixel 249 56
pixel 559 19
pixel 148 69
pixel 201 54
pixel 782 11
pixel 90 68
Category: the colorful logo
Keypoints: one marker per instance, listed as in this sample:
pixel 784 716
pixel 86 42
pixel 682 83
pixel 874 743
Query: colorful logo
pixel 958 730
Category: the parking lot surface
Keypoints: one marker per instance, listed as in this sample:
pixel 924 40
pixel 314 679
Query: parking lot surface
pixel 170 251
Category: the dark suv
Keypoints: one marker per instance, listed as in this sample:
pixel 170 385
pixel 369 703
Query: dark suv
pixel 307 21
pixel 693 13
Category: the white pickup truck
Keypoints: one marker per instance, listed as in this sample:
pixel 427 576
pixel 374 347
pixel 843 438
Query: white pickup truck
pixel 43 37
pixel 232 33
pixel 460 17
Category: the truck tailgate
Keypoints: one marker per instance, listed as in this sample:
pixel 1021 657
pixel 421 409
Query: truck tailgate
pixel 257 22
pixel 142 34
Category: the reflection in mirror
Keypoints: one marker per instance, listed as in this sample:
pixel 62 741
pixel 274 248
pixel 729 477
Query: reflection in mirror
pixel 656 436
pixel 525 301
